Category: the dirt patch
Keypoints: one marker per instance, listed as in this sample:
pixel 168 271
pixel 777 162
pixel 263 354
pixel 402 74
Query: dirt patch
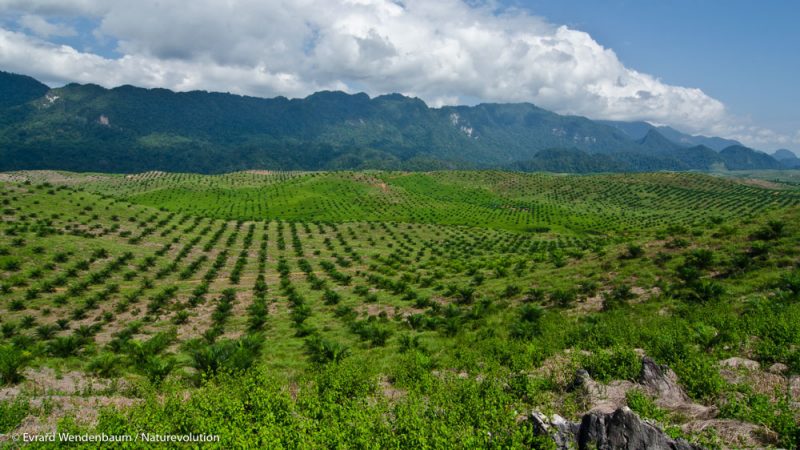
pixel 45 380
pixel 732 432
pixel 590 304
pixel 390 392
pixel 560 368
pixel 747 372
pixel 55 395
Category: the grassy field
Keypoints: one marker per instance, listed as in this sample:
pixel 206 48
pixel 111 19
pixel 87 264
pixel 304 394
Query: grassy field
pixel 388 309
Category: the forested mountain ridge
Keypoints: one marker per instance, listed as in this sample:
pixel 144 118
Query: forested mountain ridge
pixel 129 129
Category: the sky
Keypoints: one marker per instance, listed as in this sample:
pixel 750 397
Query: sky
pixel 723 68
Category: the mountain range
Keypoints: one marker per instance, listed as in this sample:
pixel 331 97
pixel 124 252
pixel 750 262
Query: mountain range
pixel 130 129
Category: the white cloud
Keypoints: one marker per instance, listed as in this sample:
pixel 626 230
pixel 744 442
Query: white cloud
pixel 41 27
pixel 57 7
pixel 445 52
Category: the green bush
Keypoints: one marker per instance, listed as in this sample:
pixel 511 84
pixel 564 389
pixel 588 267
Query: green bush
pixel 157 368
pixel 699 375
pixel 644 406
pixel 528 322
pixel 758 408
pixel 227 354
pixel 324 351
pixel 617 363
pixel 12 362
pixel 106 365
pixel 12 412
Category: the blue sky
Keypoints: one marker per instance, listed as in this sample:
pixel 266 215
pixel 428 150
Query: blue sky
pixel 745 53
pixel 723 68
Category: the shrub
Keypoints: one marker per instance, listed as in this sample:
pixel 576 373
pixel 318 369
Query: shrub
pixel 12 362
pixel 699 375
pixel 779 417
pixel 772 230
pixel 633 251
pixel 258 312
pixel 700 259
pixel 12 413
pixel 180 317
pixel 331 297
pixel 644 406
pixel 157 368
pixel 511 290
pixel 324 351
pixel 65 346
pixel 528 323
pixel 563 297
pixel 614 364
pixel 45 332
pixel 105 364
pixel 617 297
pixel 374 331
pixel 232 355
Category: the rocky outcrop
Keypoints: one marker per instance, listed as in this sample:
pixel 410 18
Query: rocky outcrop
pixel 608 423
pixel 658 381
pixel 621 429
pixel 662 382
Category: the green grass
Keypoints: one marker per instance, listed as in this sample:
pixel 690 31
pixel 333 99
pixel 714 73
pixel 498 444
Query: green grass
pixel 402 309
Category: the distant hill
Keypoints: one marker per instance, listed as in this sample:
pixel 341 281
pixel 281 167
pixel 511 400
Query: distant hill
pixel 638 130
pixel 787 158
pixel 130 129
pixel 655 143
pixel 738 157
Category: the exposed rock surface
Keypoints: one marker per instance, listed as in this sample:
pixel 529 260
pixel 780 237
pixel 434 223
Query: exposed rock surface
pixel 621 429
pixel 662 383
pixel 778 368
pixel 604 398
pixel 794 389
pixel 740 363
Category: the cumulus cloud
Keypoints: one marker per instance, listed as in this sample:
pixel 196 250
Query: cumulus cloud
pixel 444 52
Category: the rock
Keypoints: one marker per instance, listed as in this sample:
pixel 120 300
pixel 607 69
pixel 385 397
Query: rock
pixel 621 429
pixel 600 397
pixel 794 388
pixel 778 368
pixel 562 431
pixel 740 363
pixel 662 382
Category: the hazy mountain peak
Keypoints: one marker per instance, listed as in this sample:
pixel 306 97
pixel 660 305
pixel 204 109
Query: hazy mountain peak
pixel 782 154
